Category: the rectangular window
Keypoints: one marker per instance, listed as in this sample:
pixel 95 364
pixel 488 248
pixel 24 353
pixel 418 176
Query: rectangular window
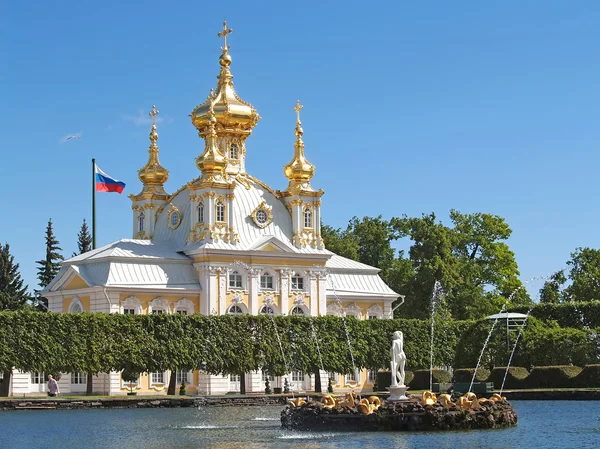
pixel 334 378
pixel 129 311
pixel 157 311
pixel 234 378
pixel 157 378
pixel 266 282
pixel 351 377
pixel 372 375
pixel 182 377
pixel 37 378
pixel 373 317
pixel 235 280
pixel 182 312
pixel 297 376
pixel 297 283
pixel 78 378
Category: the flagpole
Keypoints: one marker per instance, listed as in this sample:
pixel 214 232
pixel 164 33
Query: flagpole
pixel 93 203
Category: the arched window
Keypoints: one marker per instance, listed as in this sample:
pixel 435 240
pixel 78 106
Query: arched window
pixel 233 151
pixel 297 311
pixel 266 281
pixel 75 306
pixel 141 221
pixel 132 306
pixel 235 310
pixel 158 306
pixel 307 218
pixel 267 310
pixel 201 212
pixel 220 207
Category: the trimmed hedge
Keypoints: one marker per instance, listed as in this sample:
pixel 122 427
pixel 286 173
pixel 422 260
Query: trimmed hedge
pixel 576 315
pixel 553 376
pixel 589 377
pixel 516 377
pixel 421 378
pixel 384 379
pixel 466 374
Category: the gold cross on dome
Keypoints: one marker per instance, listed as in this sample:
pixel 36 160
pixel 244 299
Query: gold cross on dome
pixel 224 34
pixel 297 109
pixel 153 113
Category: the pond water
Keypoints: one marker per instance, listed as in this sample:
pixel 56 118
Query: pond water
pixel 542 424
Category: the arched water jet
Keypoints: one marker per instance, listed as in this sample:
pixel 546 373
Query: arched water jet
pixel 512 353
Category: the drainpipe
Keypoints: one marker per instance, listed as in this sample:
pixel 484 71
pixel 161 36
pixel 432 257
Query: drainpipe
pixel 391 314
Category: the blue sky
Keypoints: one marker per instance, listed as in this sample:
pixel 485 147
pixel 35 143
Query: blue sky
pixel 409 108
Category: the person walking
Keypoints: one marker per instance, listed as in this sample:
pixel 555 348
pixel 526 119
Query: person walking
pixel 52 386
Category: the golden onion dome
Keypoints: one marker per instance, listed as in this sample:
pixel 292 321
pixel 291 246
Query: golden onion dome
pixel 299 170
pixel 153 173
pixel 229 110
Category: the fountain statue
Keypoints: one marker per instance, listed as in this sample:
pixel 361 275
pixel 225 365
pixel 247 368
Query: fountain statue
pixel 397 388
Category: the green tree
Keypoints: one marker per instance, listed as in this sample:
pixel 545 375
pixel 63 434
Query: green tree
pixel 584 273
pixel 50 265
pixel 84 240
pixel 551 292
pixel 340 242
pixel 477 269
pixel 13 294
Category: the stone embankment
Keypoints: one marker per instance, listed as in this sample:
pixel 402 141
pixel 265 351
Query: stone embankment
pixel 138 402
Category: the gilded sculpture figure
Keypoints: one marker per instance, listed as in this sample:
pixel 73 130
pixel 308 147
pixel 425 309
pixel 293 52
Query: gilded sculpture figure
pixel 398 359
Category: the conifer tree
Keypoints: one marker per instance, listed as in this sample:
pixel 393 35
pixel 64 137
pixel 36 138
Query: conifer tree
pixel 84 239
pixel 49 267
pixel 13 294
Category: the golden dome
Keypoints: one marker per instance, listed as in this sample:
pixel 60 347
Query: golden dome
pixel 229 110
pixel 153 175
pixel 299 171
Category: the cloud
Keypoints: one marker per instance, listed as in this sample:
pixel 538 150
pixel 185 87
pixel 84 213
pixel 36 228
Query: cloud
pixel 72 136
pixel 142 118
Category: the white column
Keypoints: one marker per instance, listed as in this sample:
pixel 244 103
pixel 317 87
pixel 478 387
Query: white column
pixel 223 290
pixel 253 284
pixel 312 291
pixel 285 291
pixel 322 296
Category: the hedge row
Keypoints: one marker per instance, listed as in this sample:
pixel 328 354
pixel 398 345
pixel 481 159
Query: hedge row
pixel 577 315
pixel 92 343
pixel 566 376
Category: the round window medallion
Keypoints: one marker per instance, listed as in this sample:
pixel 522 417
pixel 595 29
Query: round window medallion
pixel 261 216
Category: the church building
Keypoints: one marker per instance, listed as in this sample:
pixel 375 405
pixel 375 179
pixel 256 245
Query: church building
pixel 224 243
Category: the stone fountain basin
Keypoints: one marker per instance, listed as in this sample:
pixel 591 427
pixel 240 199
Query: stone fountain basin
pixel 397 416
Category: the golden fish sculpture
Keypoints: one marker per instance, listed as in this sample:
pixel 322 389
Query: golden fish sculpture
pixel 446 400
pixel 296 402
pixel 328 401
pixel 428 398
pixel 365 407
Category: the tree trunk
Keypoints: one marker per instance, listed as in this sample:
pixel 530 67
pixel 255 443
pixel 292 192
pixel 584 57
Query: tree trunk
pixel 5 384
pixel 242 383
pixel 90 386
pixel 172 383
pixel 318 387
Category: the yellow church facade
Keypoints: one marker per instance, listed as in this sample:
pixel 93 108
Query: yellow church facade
pixel 224 243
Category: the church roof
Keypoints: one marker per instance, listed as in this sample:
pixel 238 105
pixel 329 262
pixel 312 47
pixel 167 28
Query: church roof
pixel 129 248
pixel 248 194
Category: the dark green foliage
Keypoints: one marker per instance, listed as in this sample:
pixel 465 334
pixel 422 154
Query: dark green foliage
pixel 384 380
pixel 466 374
pixel 13 294
pixel 50 265
pixel 516 377
pixel 420 380
pixel 578 315
pixel 84 240
pixel 329 386
pixel 268 389
pixel 182 389
pixel 286 386
pixel 553 376
pixel 589 377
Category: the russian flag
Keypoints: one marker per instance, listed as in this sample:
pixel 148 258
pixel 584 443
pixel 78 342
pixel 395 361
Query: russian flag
pixel 105 183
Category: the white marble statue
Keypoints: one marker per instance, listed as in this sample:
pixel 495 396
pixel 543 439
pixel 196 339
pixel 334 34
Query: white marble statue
pixel 398 359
